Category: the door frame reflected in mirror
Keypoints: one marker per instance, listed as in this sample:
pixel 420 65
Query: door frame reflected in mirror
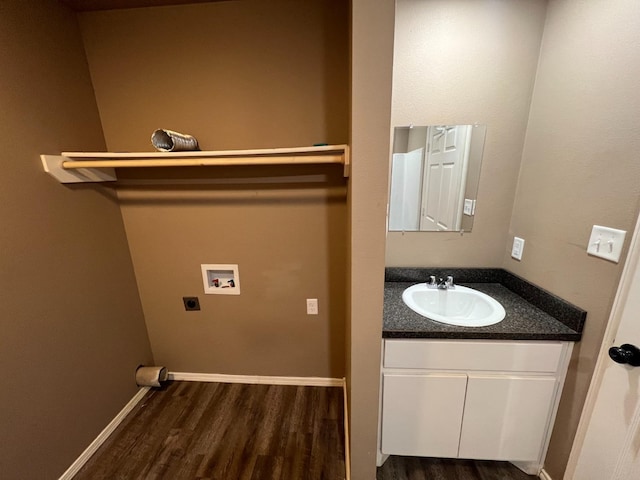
pixel 435 171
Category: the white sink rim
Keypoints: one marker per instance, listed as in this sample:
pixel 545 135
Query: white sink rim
pixel 479 309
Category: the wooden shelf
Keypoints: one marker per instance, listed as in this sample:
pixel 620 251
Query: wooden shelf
pixel 77 167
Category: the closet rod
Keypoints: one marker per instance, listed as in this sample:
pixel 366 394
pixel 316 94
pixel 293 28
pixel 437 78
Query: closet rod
pixel 198 162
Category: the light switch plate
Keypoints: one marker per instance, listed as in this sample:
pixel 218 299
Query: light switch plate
pixel 518 247
pixel 606 243
pixel 468 207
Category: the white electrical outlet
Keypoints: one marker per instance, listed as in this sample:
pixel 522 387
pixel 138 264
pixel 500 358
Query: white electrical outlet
pixel 606 243
pixel 518 247
pixel 312 306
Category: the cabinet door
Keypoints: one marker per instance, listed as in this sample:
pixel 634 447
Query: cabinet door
pixel 422 414
pixel 506 417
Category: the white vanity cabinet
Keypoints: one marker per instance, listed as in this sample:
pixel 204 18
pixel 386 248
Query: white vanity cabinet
pixel 479 399
pixel 411 429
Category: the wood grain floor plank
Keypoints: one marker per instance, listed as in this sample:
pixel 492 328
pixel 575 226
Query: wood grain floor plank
pixel 417 468
pixel 192 430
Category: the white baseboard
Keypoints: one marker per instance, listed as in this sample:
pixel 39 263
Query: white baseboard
pixel 544 475
pixel 257 379
pixel 102 437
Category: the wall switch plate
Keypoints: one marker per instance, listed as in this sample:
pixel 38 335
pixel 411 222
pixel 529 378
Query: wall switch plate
pixel 606 243
pixel 312 306
pixel 518 247
pixel 468 207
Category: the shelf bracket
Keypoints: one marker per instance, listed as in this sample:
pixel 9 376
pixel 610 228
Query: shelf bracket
pixel 347 161
pixel 53 166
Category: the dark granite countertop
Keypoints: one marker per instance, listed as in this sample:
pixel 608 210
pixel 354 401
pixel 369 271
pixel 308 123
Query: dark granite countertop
pixel 537 316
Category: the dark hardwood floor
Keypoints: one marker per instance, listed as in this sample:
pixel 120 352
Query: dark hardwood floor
pixel 193 430
pixel 415 468
pixel 220 431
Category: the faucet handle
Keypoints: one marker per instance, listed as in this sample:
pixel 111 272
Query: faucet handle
pixel 450 283
pixel 432 281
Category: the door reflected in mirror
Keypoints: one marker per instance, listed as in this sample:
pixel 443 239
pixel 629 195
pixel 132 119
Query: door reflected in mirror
pixel 434 177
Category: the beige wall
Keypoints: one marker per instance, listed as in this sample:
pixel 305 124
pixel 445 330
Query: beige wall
pixel 579 168
pixel 235 75
pixel 72 326
pixel 372 53
pixel 465 62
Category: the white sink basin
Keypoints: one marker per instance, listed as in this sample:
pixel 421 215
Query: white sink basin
pixel 461 306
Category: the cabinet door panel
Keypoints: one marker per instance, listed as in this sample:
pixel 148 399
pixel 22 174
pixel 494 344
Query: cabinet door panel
pixel 506 417
pixel 422 414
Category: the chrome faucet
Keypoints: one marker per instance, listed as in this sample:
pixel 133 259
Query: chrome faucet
pixel 448 284
pixel 441 284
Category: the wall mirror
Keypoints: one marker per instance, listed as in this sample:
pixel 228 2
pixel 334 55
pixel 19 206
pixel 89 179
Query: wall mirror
pixel 434 177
